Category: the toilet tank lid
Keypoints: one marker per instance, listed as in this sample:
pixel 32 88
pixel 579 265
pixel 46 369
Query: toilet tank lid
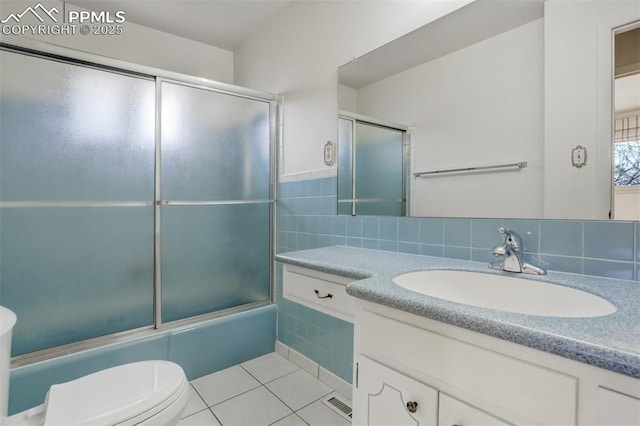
pixel 113 395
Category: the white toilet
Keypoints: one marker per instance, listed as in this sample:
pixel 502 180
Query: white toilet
pixel 140 393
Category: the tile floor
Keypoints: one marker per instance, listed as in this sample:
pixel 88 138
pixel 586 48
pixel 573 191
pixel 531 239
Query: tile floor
pixel 269 390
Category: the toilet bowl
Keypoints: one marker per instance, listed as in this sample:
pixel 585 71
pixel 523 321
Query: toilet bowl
pixel 7 321
pixel 152 393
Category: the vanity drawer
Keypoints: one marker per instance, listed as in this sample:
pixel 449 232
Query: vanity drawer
pixel 509 388
pixel 317 290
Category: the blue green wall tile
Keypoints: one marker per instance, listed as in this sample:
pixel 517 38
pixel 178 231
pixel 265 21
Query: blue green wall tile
pixel 609 249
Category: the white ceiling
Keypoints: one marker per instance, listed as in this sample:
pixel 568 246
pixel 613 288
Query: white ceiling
pixel 221 23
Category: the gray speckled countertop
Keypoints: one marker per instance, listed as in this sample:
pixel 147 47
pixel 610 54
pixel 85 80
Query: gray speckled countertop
pixel 611 342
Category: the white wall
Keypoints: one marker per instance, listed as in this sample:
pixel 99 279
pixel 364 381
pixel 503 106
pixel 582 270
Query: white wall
pixel 578 99
pixel 297 56
pixel 140 45
pixel 482 105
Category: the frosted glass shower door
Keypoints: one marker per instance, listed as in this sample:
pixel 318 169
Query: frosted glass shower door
pixel 345 166
pixel 215 198
pixel 76 200
pixel 378 176
pixel 371 169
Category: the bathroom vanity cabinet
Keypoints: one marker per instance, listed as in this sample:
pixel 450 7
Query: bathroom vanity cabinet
pixel 421 360
pixel 413 370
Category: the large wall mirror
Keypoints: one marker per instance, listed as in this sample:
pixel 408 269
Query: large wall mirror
pixel 626 137
pixel 468 91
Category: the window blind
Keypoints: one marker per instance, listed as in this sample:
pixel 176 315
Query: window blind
pixel 627 128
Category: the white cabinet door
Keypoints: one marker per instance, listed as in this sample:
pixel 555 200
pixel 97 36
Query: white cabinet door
pixel 454 412
pixel 618 409
pixel 385 397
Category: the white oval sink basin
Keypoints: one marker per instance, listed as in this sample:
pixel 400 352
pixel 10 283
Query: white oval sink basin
pixel 506 293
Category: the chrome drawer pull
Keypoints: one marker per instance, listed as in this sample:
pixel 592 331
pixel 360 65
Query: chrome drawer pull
pixel 328 296
pixel 412 406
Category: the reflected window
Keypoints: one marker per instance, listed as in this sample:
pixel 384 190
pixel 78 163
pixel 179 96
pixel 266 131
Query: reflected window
pixel 626 137
pixel 627 163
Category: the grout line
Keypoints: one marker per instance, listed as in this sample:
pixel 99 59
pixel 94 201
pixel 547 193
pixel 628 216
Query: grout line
pixel 199 396
pixel 230 398
pixel 280 399
pixel 263 385
pixel 214 415
pixel 292 414
pixel 272 380
pixel 235 396
pixel 582 240
pixel 207 407
pixel 298 368
pixel 319 399
pixel 602 259
pixel 194 413
pixel 281 418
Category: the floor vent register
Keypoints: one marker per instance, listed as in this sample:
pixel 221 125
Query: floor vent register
pixel 340 407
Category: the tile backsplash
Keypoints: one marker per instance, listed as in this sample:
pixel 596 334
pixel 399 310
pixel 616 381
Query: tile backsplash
pixel 306 218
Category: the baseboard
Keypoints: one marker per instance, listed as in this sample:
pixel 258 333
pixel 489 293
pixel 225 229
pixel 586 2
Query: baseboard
pixel 341 386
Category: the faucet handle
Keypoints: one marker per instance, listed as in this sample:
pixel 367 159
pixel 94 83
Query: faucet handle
pixel 511 238
pixel 499 250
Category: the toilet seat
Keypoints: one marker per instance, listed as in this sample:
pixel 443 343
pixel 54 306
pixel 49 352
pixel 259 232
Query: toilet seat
pixel 127 394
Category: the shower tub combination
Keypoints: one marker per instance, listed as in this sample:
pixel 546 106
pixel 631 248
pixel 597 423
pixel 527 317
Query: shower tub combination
pixel 135 217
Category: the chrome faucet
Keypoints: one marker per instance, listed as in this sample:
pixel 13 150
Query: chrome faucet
pixel 509 252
